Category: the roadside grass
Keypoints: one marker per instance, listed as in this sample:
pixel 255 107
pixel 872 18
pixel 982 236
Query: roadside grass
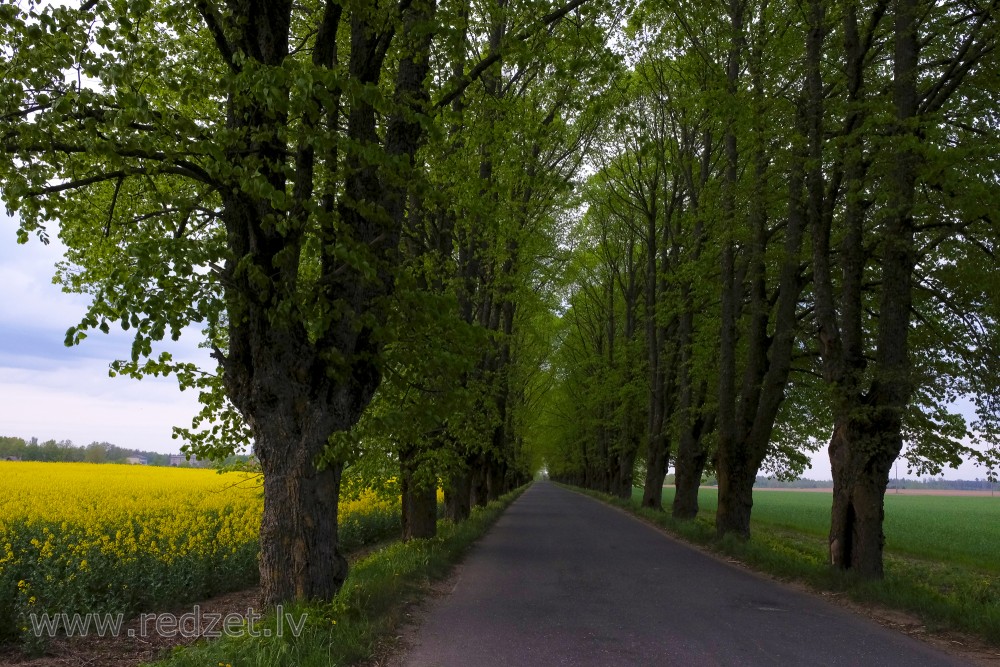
pixel 937 562
pixel 354 625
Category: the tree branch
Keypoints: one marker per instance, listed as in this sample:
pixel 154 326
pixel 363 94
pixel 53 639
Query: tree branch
pixel 100 178
pixel 111 209
pixel 484 64
pixel 80 183
pixel 214 24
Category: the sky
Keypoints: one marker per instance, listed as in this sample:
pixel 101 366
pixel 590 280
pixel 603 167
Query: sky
pixel 50 391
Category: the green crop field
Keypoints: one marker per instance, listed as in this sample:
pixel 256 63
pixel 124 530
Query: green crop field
pixel 956 529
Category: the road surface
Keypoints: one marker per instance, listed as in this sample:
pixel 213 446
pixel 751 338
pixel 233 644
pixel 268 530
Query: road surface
pixel 562 579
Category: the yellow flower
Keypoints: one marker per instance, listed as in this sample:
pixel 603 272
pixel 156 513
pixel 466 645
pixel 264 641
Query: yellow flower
pixel 88 524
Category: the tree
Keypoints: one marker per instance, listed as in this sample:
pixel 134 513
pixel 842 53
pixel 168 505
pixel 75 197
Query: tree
pixel 642 197
pixel 887 200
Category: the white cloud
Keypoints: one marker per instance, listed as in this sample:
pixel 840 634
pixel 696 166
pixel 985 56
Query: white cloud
pixel 26 290
pixel 50 391
pixel 81 403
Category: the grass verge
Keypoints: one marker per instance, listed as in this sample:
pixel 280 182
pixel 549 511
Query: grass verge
pixel 366 610
pixel 945 595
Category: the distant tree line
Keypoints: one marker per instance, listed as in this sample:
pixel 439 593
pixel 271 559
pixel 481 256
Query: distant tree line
pixel 929 483
pixel 941 484
pixel 775 483
pixel 64 451
pixel 763 482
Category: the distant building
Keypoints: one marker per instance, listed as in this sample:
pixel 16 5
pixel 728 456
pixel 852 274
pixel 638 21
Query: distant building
pixel 181 459
pixel 12 458
pixel 137 460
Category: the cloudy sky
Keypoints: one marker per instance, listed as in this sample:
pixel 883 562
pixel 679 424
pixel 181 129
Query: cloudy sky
pixel 50 391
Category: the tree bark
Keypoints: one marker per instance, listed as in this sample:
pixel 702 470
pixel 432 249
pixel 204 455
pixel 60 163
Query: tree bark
pixel 861 467
pixel 736 475
pixel 621 485
pixel 688 469
pixel 658 448
pixel 418 498
pixel 478 493
pixel 458 496
pixel 299 558
pixel 656 472
pixel 689 465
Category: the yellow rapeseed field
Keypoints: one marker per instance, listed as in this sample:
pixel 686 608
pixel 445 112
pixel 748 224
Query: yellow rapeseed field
pixel 129 511
pixel 79 537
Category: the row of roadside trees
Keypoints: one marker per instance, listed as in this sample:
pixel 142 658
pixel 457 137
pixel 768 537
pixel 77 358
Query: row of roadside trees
pixel 790 241
pixel 357 205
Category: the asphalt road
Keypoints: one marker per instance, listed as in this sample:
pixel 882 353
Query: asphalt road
pixel 562 579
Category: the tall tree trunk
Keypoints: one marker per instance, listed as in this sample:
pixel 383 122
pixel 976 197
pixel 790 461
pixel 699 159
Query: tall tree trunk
pixel 299 557
pixel 731 289
pixel 657 461
pixel 692 455
pixel 275 373
pixel 689 466
pixel 861 461
pixel 863 449
pixel 418 498
pixel 658 454
pixel 736 475
pixel 657 444
pixel 768 357
pixel 458 495
pixel 622 486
